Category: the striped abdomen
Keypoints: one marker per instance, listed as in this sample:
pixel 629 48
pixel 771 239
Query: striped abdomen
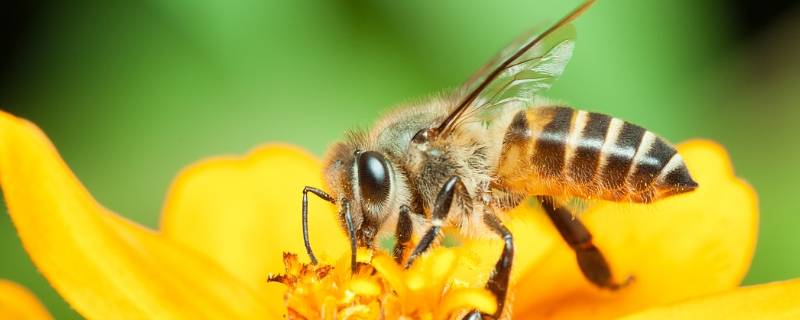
pixel 562 151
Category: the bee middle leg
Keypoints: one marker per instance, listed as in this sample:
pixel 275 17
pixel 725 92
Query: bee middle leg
pixel 441 208
pixel 591 261
pixel 498 281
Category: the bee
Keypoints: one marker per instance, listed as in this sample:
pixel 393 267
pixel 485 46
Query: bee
pixel 464 158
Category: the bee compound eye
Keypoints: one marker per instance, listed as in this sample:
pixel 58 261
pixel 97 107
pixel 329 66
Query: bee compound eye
pixel 373 176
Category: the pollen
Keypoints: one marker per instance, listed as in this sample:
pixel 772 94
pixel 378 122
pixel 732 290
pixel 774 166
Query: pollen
pixel 381 289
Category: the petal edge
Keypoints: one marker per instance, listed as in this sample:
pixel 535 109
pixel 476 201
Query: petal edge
pixel 103 265
pixel 17 302
pixel 776 300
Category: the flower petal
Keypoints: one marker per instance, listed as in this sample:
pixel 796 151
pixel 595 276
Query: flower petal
pixel 16 302
pixel 684 246
pixel 777 300
pixel 245 212
pixel 467 298
pixel 533 240
pixel 103 265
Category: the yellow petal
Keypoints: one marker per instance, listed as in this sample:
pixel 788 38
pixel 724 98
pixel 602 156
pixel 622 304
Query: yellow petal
pixel 777 300
pixel 392 272
pixel 681 247
pixel 532 241
pixel 533 238
pixel 103 265
pixel 461 298
pixel 245 212
pixel 364 287
pixel 16 302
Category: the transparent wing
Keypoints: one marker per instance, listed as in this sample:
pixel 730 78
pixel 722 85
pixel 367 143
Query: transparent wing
pixel 531 73
pixel 576 205
pixel 518 73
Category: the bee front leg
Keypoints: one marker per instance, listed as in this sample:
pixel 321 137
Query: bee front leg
pixel 590 260
pixel 351 231
pixel 322 195
pixel 441 208
pixel 402 233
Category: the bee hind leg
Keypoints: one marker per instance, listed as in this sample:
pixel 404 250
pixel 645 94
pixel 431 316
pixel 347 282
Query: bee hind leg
pixel 441 208
pixel 591 261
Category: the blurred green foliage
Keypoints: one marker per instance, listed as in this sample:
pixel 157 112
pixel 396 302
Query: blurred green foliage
pixel 131 92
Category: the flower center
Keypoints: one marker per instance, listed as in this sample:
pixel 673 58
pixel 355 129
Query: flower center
pixel 381 289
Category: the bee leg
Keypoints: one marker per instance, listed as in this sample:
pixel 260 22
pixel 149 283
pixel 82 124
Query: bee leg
pixel 351 231
pixel 441 208
pixel 590 260
pixel 498 282
pixel 324 196
pixel 402 233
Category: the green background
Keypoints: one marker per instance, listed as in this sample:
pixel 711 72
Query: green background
pixel 132 92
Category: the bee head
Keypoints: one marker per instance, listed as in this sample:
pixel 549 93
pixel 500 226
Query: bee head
pixel 365 179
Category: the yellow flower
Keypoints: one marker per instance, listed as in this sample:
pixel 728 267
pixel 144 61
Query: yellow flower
pixel 16 302
pixel 227 222
pixel 380 288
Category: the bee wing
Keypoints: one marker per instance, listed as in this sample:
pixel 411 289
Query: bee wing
pixel 532 73
pixel 523 69
pixel 576 205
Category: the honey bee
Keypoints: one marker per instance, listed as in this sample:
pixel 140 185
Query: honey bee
pixel 464 158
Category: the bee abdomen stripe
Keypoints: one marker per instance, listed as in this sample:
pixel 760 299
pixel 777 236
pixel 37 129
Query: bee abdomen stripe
pixel 518 130
pixel 650 164
pixel 619 154
pixel 586 158
pixel 579 121
pixel 549 153
pixel 672 173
